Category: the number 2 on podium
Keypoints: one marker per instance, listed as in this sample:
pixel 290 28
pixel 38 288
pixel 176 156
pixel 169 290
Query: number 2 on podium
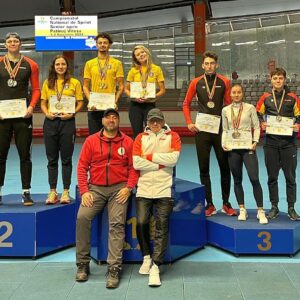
pixel 6 234
pixel 266 245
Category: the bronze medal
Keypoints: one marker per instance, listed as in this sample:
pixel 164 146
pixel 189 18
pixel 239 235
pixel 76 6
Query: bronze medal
pixel 236 134
pixel 236 121
pixel 210 104
pixel 278 118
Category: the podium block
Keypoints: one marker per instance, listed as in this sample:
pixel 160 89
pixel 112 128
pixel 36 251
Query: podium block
pixel 279 236
pixel 35 230
pixel 187 230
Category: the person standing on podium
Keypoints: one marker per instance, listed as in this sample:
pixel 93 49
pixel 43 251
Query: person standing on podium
pixel 279 115
pixel 238 121
pixel 102 75
pixel 212 91
pixel 106 177
pixel 16 72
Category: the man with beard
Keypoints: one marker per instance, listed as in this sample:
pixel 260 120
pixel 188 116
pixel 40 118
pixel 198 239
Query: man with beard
pixel 105 177
pixel 102 75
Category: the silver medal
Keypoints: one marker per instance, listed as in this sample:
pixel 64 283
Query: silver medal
pixel 210 104
pixel 10 82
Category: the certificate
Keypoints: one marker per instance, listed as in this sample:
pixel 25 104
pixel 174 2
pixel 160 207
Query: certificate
pixel 137 90
pixel 279 126
pixel 242 141
pixel 208 123
pixel 102 101
pixel 13 108
pixel 66 105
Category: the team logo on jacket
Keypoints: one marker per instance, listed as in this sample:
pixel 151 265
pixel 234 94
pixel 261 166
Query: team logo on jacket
pixel 121 151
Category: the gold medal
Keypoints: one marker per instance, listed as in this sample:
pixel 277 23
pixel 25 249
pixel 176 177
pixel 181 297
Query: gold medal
pixel 210 104
pixel 58 106
pixel 10 82
pixel 279 118
pixel 236 134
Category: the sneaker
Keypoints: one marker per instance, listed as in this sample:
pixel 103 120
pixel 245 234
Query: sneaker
pixel 261 217
pixel 243 214
pixel 52 198
pixel 65 197
pixel 228 210
pixel 145 267
pixel 273 212
pixel 26 199
pixel 292 214
pixel 210 210
pixel 154 279
pixel 112 277
pixel 83 272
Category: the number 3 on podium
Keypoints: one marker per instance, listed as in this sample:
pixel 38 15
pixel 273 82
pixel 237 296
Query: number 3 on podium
pixel 266 241
pixel 6 234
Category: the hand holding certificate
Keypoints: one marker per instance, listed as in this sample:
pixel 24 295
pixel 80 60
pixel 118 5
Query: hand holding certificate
pixel 242 140
pixel 13 108
pixel 66 105
pixel 279 125
pixel 208 123
pixel 102 101
pixel 137 91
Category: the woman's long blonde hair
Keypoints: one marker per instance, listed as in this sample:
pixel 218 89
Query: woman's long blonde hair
pixel 135 62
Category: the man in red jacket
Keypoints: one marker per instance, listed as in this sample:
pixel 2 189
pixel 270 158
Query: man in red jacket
pixel 105 177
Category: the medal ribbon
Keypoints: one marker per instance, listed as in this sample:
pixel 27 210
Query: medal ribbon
pixel 12 72
pixel 144 77
pixel 281 101
pixel 59 93
pixel 103 70
pixel 210 93
pixel 236 120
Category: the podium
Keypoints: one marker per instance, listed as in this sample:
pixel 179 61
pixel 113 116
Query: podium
pixel 187 230
pixel 30 231
pixel 279 236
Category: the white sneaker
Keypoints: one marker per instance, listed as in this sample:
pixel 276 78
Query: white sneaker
pixel 261 217
pixel 243 214
pixel 145 267
pixel 154 279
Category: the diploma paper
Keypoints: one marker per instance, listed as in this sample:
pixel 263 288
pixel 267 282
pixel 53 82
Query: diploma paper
pixel 208 123
pixel 283 127
pixel 244 141
pixel 66 105
pixel 137 91
pixel 13 108
pixel 102 101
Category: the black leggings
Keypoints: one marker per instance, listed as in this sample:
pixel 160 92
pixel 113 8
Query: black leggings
pixel 22 130
pixel 95 121
pixel 59 137
pixel 236 159
pixel 138 116
pixel 204 142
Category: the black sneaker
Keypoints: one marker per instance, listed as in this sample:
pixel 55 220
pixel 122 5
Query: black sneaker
pixel 292 214
pixel 26 199
pixel 113 277
pixel 83 272
pixel 273 212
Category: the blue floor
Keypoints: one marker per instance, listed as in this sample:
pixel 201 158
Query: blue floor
pixel 207 274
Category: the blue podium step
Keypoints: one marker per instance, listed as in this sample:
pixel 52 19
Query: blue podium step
pixel 279 236
pixel 35 230
pixel 187 226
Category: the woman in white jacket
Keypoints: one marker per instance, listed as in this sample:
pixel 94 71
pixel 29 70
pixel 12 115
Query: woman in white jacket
pixel 155 154
pixel 239 119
